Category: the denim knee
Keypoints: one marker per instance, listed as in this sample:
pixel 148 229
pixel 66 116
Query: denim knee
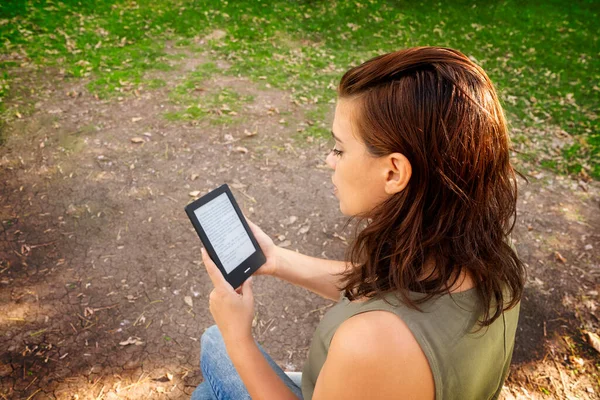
pixel 211 334
pixel 212 348
pixel 217 368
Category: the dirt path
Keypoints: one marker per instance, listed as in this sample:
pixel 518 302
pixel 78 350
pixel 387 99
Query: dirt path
pixel 102 294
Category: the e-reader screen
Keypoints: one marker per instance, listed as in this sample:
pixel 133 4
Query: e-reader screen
pixel 225 232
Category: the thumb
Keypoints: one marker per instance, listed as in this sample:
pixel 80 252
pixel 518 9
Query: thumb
pixel 248 220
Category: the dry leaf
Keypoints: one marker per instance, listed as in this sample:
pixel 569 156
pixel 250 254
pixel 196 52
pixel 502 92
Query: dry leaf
pixel 303 230
pixel 194 177
pixel 137 139
pixel 195 193
pixel 132 340
pixel 241 149
pixel 188 300
pixel 559 257
pixel 593 340
pixel 248 133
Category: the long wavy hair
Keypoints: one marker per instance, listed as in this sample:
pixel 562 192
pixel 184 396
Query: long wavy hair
pixel 440 110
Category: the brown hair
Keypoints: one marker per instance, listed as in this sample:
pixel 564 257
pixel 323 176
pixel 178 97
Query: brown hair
pixel 441 111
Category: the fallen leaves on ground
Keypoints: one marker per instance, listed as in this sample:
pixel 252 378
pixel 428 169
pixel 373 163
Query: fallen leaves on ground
pixel 132 340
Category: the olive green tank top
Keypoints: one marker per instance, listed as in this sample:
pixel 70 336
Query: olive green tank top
pixel 466 363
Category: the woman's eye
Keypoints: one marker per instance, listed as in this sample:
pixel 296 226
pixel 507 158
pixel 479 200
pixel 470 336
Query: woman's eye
pixel 336 152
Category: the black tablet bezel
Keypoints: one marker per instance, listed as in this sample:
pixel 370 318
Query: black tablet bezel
pixel 248 266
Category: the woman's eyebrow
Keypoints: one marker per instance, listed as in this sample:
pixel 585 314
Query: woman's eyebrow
pixel 335 137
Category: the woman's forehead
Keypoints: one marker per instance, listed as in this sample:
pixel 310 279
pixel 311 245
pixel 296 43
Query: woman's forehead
pixel 343 123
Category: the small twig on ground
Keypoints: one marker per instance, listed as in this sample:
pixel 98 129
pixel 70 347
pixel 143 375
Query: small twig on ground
pixel 562 378
pixel 138 319
pixel 318 309
pixel 105 308
pixel 31 383
pixel 33 246
pixel 267 327
pixel 84 318
pixel 89 326
pixel 101 392
pixel 252 199
pixel 139 381
pixel 34 393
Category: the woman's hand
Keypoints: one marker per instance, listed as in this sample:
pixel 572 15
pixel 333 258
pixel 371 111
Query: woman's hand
pixel 267 246
pixel 233 310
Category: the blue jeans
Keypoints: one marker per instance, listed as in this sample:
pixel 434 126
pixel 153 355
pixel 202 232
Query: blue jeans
pixel 221 380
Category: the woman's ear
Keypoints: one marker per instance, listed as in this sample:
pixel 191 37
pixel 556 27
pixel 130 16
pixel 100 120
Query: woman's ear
pixel 398 172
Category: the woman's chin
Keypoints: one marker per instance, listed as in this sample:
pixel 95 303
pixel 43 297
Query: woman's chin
pixel 342 209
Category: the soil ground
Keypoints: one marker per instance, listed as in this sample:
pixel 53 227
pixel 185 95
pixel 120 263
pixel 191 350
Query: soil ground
pixel 102 292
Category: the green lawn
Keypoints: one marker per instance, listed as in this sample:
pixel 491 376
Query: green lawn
pixel 543 56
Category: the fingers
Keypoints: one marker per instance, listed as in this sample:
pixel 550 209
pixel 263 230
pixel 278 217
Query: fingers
pixel 215 275
pixel 247 295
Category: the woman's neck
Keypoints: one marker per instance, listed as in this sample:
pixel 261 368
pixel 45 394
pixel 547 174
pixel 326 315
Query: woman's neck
pixel 463 282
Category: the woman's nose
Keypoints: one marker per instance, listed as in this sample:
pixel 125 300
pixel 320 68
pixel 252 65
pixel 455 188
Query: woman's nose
pixel 330 160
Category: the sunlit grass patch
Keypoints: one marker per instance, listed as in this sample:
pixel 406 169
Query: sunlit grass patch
pixel 193 83
pixel 222 107
pixel 155 83
pixel 539 55
pixel 111 41
pixel 197 101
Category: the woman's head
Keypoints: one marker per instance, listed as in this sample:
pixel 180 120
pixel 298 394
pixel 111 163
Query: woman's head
pixel 434 176
pixel 362 180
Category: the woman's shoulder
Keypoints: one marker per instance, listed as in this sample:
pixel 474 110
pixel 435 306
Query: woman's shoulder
pixel 374 348
pixel 376 329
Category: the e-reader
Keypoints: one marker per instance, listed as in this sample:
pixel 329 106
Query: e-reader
pixel 226 235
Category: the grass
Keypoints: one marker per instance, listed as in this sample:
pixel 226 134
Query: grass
pixel 220 107
pixel 542 56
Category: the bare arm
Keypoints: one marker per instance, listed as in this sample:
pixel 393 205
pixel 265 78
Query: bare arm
pixel 315 274
pixel 260 379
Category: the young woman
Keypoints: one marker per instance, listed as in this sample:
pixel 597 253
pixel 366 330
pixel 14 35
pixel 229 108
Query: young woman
pixel 428 298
